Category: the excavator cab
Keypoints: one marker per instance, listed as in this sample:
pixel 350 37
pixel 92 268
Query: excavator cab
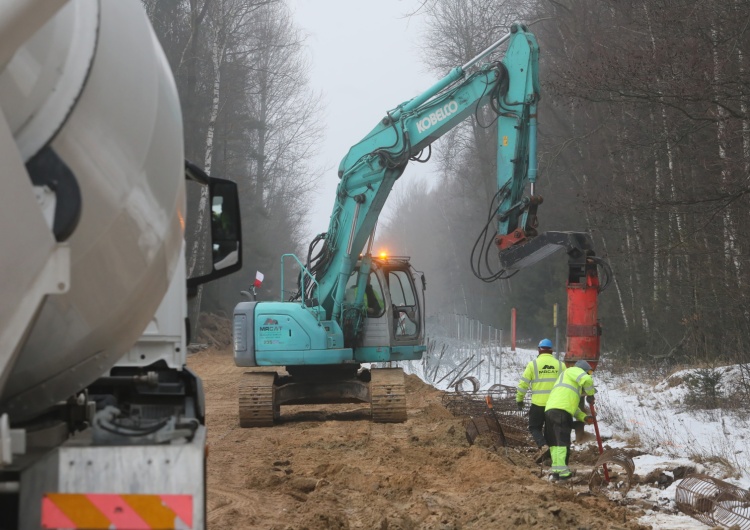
pixel 393 325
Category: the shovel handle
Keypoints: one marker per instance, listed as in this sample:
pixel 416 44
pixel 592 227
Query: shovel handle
pixel 599 440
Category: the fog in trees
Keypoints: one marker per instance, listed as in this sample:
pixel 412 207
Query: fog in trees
pixel 241 69
pixel 644 142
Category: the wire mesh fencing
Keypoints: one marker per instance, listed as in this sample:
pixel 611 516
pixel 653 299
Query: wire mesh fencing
pixel 497 405
pixel 457 347
pixel 465 358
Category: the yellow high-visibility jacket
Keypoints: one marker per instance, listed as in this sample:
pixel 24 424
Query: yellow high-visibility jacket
pixel 566 394
pixel 539 377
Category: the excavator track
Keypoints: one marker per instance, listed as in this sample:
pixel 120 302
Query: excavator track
pixel 256 397
pixel 388 395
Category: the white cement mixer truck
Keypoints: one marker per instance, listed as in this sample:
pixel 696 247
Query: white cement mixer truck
pixel 101 423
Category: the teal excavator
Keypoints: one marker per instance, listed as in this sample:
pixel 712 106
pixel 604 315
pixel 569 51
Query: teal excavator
pixel 352 307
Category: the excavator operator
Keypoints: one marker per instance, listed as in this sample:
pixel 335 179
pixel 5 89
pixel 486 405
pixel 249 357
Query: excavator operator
pixel 373 300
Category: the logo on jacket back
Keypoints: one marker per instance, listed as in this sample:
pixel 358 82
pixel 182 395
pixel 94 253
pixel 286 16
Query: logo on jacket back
pixel 271 322
pixel 548 367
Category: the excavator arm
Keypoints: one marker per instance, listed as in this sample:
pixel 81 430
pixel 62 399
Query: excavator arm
pixel 325 332
pixel 372 166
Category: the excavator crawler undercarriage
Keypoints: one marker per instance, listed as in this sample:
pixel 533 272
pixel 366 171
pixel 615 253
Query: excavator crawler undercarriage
pixel 261 394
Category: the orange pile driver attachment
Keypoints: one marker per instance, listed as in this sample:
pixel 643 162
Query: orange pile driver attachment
pixel 584 331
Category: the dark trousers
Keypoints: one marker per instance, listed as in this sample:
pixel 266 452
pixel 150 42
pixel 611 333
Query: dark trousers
pixel 536 424
pixel 557 427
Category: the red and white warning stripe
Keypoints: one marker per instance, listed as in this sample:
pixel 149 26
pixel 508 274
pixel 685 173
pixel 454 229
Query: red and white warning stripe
pixel 96 511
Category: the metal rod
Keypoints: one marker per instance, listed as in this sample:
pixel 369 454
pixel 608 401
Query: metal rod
pixel 351 230
pixel 460 366
pixel 487 51
pixel 599 441
pixel 461 376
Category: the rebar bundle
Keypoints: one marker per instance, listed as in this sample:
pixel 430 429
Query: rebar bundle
pixel 473 405
pixel 486 424
pixel 714 502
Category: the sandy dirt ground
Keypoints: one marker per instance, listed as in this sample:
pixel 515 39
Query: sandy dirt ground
pixel 329 467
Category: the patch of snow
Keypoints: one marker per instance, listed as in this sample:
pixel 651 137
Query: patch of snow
pixel 665 521
pixel 632 413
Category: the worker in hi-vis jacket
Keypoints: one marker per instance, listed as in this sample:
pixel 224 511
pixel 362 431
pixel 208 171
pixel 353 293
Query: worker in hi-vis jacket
pixel 562 408
pixel 538 378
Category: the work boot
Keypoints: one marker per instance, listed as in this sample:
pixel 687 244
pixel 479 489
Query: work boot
pixel 541 454
pixel 554 477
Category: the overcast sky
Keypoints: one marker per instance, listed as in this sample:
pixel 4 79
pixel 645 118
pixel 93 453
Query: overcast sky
pixel 365 56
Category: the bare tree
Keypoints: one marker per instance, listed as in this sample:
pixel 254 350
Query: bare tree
pixel 241 70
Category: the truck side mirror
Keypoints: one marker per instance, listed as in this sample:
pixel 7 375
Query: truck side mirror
pixel 225 241
pixel 225 225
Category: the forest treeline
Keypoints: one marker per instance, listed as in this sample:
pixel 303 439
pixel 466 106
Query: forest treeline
pixel 644 141
pixel 241 69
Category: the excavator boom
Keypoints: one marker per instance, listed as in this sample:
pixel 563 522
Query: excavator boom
pixel 332 325
pixel 372 166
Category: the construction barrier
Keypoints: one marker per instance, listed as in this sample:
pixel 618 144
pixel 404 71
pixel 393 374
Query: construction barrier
pixel 95 511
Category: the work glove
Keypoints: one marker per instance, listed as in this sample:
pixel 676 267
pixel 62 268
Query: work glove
pixel 588 420
pixel 520 405
pixel 590 399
